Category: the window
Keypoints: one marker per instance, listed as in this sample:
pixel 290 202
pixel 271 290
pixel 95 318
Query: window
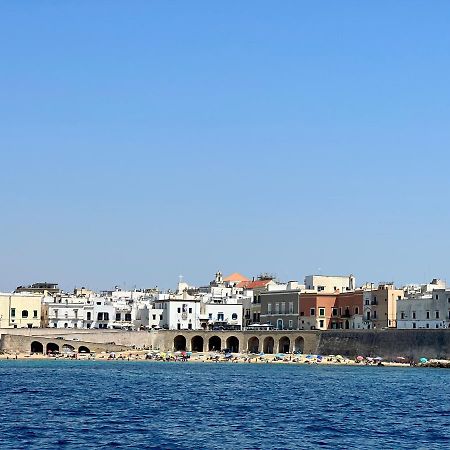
pixel 335 312
pixel 427 325
pixel 128 317
pixel 118 317
pixel 154 317
pixel 190 310
pixel 321 312
pixel 35 314
pixel 291 307
pixel 436 314
pixel 13 312
pixel 100 316
pixel 402 314
pixel 428 314
pixel 312 312
pixel 210 316
pixel 321 322
pixel 269 308
pixel 413 314
pixel 76 313
pixel 24 314
pixel 88 316
pixel 160 317
pixel 356 310
pixel 106 316
pixel 277 308
pixel 75 325
pixel 189 326
pixel 220 316
pixel 178 325
pixel 178 310
pixel 414 324
pixel 291 324
pixel 234 316
pixel 283 308
pixel 374 314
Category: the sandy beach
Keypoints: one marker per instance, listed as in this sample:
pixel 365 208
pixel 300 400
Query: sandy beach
pixel 217 357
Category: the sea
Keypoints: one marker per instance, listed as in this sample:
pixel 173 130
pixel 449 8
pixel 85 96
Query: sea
pixel 63 404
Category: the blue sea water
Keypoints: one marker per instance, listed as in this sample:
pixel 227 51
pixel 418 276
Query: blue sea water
pixel 150 405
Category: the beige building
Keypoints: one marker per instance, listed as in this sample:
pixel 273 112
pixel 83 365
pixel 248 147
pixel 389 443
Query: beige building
pixel 21 310
pixel 380 306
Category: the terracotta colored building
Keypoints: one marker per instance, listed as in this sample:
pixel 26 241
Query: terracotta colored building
pixel 319 311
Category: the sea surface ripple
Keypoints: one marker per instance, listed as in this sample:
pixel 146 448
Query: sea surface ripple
pixel 150 405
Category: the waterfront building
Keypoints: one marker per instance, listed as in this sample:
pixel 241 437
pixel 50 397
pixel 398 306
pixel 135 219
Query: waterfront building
pixel 22 310
pixel 330 283
pixel 254 289
pixel 428 310
pixel 280 308
pixel 380 306
pixel 70 311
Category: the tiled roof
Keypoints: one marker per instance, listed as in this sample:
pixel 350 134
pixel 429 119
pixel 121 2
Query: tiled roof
pixel 253 284
pixel 236 277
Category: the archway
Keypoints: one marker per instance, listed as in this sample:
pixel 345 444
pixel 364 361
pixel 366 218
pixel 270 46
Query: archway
pixel 67 348
pixel 347 324
pixel 233 344
pixel 83 349
pixel 37 347
pixel 179 343
pixel 52 347
pixel 215 343
pixel 284 344
pixel 253 345
pixel 197 344
pixel 299 344
pixel 269 344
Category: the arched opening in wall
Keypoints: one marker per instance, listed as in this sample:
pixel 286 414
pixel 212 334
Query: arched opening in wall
pixel 299 344
pixel 83 349
pixel 233 344
pixel 179 343
pixel 268 345
pixel 253 345
pixel 37 347
pixel 52 347
pixel 347 325
pixel 284 344
pixel 67 348
pixel 214 344
pixel 197 344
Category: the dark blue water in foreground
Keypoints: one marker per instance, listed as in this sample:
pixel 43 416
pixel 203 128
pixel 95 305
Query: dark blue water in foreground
pixel 74 404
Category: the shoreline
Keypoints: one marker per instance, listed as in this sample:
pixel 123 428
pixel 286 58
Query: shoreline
pixel 219 358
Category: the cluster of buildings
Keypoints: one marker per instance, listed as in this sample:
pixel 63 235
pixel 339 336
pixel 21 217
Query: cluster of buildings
pixel 233 302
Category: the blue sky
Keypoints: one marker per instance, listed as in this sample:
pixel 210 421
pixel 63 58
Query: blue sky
pixel 143 140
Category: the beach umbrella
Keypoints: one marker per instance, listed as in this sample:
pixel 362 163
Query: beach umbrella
pixel 378 358
pixel 280 355
pixel 261 354
pixel 401 358
pixel 228 355
pixel 309 356
pixel 319 356
pixel 423 360
pixel 360 358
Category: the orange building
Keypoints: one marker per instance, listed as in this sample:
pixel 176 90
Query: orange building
pixel 319 311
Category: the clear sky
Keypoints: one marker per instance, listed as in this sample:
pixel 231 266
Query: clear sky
pixel 143 140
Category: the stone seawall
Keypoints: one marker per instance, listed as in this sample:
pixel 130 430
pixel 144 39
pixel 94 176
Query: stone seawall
pixel 386 343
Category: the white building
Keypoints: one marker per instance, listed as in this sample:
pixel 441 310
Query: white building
pixel 430 310
pixel 69 311
pixel 330 283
